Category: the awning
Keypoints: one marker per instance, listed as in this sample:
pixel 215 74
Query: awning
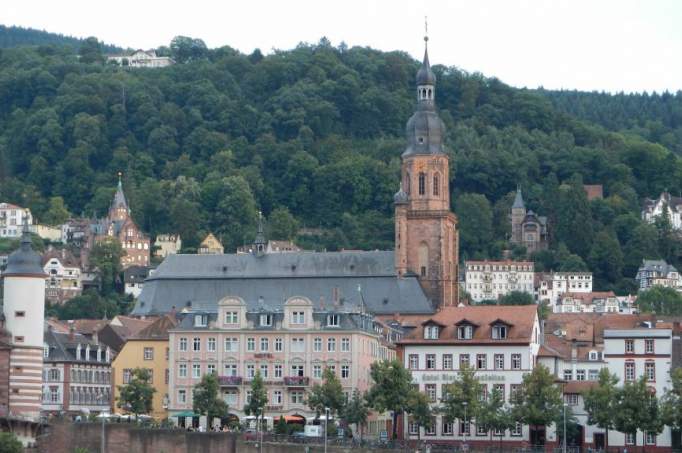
pixel 185 414
pixel 294 418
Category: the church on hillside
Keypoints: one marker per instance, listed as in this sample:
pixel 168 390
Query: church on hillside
pixel 417 277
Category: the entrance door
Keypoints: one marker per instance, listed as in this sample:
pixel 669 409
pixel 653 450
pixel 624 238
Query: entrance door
pixel 599 441
pixel 537 435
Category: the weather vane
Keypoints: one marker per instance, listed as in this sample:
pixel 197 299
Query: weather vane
pixel 426 28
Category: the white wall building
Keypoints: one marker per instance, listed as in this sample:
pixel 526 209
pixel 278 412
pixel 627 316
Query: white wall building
pixel 490 280
pixel 664 205
pixel 12 220
pixel 500 342
pixel 594 302
pixel 168 244
pixel 141 59
pixel 552 285
pixel 658 272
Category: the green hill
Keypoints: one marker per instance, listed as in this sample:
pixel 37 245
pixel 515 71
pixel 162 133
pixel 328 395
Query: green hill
pixel 312 136
pixel 13 36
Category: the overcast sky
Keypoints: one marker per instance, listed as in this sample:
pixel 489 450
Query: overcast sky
pixel 612 45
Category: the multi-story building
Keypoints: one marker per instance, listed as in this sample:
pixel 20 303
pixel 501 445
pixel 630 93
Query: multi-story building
pixel 141 59
pixel 12 219
pixel 490 280
pixel 664 205
pixel 76 374
pixel 658 272
pixel 552 285
pixel 133 279
pixel 63 275
pixel 210 246
pixel 500 342
pixel 528 228
pixel 290 345
pixel 167 244
pixel 593 302
pixel 148 349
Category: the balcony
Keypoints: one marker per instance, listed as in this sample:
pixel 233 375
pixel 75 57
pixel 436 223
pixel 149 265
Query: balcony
pixel 227 381
pixel 296 381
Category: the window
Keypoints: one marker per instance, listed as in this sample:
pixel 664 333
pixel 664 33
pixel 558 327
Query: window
pixel 516 430
pixel 629 439
pixel 279 345
pixel 483 395
pixel 182 370
pixel 430 429
pixel 594 355
pixel 266 320
pixel 297 345
pixel 650 371
pixel 463 361
pixel 345 344
pixel 629 346
pixel 593 375
pixel 277 397
pixel 430 361
pixel 250 371
pixel 298 317
pixel 413 362
pixel 500 389
pixel 332 320
pixel 447 361
pixel 231 317
pixel 182 396
pixel 413 428
pixel 19 339
pixel 481 430
pixel 499 332
pixel 231 397
pixel 250 344
pixel 264 370
pixel 127 374
pixel 499 361
pixel 464 428
pixel 571 399
pixel 436 185
pixel 345 371
pixel 649 346
pixel 264 344
pixel 19 314
pixel 580 375
pixel 422 183
pixel 650 438
pixel 249 393
pixel 431 332
pixel 516 361
pixel 231 344
pixel 514 392
pixel 278 370
pixel 210 368
pixel 481 361
pixel 148 353
pixel 568 375
pixel 448 428
pixel 196 370
pixel 629 371
pixel 200 320
pixel 331 344
pixel 465 332
pixel 46 351
pixel 296 397
pixel 297 370
pixel 317 344
pixel 211 345
pixel 53 375
pixel 317 371
pixel 196 344
pixel 230 369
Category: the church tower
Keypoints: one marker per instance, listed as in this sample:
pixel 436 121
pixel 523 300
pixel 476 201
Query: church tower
pixel 119 211
pixel 24 313
pixel 426 236
pixel 518 213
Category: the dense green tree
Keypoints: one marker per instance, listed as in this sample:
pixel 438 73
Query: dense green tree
pixel 463 394
pixel 91 305
pixel 105 259
pixel 281 224
pixel 327 395
pixel 390 390
pixel 516 298
pixel 356 411
pixel 56 213
pixel 538 402
pixel 475 224
pixel 259 398
pixel 600 402
pixel 671 404
pixel 571 423
pixel 90 51
pixel 494 415
pixel 10 444
pixel 136 396
pixel 574 220
pixel 660 300
pixel 419 409
pixel 606 258
pixel 206 398
pixel 637 409
pixel 642 244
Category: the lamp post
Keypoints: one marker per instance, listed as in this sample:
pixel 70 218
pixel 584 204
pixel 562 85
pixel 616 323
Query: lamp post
pixel 466 425
pixel 564 449
pixel 326 421
pixel 261 432
pixel 102 439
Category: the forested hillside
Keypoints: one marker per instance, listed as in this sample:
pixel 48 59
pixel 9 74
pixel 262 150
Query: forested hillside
pixel 312 136
pixel 18 36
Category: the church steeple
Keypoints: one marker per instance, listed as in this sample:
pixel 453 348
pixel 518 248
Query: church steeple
pixel 119 205
pixel 260 242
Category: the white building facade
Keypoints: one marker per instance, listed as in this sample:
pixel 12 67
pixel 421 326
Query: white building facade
pixel 664 205
pixel 490 280
pixel 552 285
pixel 12 220
pixel 658 273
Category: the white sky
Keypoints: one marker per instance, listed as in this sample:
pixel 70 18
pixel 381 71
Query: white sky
pixel 612 45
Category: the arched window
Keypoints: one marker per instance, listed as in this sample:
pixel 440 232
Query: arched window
pixel 430 92
pixel 423 260
pixel 407 184
pixel 422 183
pixel 436 185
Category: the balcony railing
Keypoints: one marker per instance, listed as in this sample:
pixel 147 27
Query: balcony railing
pixel 296 381
pixel 230 380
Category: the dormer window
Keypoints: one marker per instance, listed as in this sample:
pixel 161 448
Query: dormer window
pixel 298 317
pixel 231 317
pixel 465 332
pixel 266 320
pixel 499 332
pixel 431 332
pixel 46 351
pixel 200 320
pixel 332 320
pixel 594 355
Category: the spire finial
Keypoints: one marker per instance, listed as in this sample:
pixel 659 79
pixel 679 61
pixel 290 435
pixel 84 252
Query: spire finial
pixel 25 232
pixel 120 175
pixel 426 29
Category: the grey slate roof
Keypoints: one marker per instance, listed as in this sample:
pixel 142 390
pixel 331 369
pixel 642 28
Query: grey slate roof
pixel 62 348
pixel 660 267
pixel 24 260
pixel 200 281
pixel 518 201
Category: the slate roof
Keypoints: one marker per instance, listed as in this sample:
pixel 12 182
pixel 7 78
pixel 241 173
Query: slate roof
pixel 518 201
pixel 65 257
pixel 24 261
pixel 200 281
pixel 659 266
pixel 62 346
pixel 158 330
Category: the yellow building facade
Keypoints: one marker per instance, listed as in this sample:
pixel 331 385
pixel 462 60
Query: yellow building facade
pixel 149 350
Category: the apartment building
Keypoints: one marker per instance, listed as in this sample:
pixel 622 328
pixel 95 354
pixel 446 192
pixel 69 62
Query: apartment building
pixel 490 280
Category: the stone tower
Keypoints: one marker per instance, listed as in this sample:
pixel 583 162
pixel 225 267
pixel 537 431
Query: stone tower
pixel 426 236
pixel 518 213
pixel 119 211
pixel 24 312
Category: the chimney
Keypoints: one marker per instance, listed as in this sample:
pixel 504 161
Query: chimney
pixel 72 330
pixel 95 336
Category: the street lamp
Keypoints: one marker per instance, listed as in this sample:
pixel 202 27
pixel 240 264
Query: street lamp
pixel 326 421
pixel 564 449
pixel 466 425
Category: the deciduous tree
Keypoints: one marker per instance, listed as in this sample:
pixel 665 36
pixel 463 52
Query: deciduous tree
pixel 391 389
pixel 136 396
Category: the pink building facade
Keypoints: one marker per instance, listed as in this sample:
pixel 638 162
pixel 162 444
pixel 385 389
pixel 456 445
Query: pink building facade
pixel 290 347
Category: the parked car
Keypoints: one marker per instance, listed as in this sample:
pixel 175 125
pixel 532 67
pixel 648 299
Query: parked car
pixel 250 434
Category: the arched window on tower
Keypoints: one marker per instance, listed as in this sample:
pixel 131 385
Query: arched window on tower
pixel 436 185
pixel 423 259
pixel 422 183
pixel 407 184
pixel 430 93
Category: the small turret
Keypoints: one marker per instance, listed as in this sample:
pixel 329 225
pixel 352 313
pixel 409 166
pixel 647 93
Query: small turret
pixel 400 196
pixel 260 242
